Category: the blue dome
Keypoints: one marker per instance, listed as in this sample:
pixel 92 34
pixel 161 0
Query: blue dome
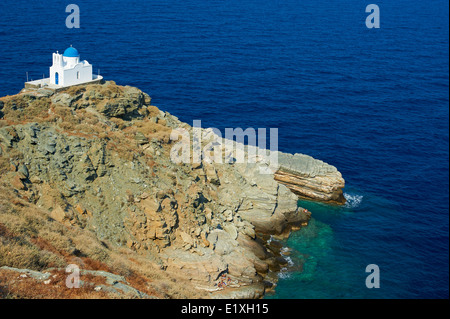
pixel 71 52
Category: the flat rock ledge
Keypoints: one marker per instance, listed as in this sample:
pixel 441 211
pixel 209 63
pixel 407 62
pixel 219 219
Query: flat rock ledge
pixel 310 178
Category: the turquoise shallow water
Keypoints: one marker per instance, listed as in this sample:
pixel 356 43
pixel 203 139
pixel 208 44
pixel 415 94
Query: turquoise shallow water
pixel 328 258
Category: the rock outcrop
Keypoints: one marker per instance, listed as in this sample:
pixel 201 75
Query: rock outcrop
pixel 96 159
pixel 310 178
pixel 103 283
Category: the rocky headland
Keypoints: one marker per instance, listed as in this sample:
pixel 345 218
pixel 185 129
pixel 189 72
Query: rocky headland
pixel 87 179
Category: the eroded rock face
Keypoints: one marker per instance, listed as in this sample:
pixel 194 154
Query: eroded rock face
pixel 115 178
pixel 310 178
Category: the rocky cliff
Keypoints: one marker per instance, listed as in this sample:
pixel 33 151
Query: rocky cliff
pixel 310 178
pixel 87 179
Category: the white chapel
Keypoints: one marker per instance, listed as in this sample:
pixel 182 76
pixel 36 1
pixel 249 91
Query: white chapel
pixel 67 70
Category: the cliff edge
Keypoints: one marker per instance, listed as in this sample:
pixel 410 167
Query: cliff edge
pixel 87 179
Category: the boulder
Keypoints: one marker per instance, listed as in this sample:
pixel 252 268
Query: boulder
pixel 231 230
pixel 221 241
pixel 59 214
pixel 200 269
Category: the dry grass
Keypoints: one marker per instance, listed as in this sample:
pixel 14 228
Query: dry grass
pixel 79 122
pixel 21 110
pixel 4 164
pixel 30 239
pixel 13 286
pixel 75 90
pixel 150 278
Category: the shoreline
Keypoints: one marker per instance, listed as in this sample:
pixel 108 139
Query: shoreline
pixel 103 151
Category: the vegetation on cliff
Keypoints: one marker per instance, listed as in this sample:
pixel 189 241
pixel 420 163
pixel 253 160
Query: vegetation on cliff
pixel 86 179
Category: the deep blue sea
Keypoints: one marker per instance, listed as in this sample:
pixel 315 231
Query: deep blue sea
pixel 372 102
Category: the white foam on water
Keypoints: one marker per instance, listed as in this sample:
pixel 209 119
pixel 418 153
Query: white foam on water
pixel 353 200
pixel 289 260
pixel 284 273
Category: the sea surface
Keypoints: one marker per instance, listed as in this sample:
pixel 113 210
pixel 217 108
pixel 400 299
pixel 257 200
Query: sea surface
pixel 372 102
